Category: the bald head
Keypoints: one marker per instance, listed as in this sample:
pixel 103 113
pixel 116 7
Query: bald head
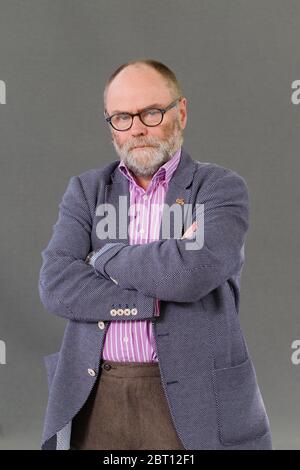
pixel 137 86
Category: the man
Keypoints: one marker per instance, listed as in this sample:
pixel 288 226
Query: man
pixel 153 356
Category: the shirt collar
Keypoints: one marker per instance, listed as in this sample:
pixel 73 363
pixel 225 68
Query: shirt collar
pixel 162 175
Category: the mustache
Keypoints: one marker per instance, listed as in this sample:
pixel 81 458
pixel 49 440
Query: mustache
pixel 141 144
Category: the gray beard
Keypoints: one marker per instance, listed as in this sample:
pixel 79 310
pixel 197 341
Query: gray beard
pixel 145 162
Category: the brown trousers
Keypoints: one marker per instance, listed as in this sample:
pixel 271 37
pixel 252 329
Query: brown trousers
pixel 126 409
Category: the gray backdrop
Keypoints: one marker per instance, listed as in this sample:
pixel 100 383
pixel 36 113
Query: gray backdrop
pixel 236 61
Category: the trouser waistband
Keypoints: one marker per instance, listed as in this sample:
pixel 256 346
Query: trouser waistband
pixel 129 369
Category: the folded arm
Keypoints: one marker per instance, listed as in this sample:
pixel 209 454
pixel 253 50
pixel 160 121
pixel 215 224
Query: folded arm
pixel 165 269
pixel 68 286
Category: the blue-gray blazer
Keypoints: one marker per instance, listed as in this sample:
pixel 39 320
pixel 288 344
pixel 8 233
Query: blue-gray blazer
pixel 206 368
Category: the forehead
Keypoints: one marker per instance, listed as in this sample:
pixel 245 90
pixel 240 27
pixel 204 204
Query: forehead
pixel 136 88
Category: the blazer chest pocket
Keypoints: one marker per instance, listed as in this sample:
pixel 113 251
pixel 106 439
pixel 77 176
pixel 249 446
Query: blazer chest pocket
pixel 50 362
pixel 240 408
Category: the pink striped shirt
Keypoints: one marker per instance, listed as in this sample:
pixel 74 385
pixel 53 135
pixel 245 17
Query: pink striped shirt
pixel 133 341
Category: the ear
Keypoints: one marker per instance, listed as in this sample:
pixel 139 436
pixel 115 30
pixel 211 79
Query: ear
pixel 183 112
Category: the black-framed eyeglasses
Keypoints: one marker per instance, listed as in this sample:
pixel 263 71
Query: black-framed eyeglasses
pixel 151 117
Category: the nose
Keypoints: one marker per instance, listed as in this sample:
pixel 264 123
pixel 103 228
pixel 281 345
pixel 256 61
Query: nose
pixel 138 128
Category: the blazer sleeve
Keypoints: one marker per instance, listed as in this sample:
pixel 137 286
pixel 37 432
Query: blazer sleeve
pixel 165 269
pixel 70 287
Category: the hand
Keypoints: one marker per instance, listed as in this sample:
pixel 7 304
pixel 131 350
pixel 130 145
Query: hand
pixel 189 232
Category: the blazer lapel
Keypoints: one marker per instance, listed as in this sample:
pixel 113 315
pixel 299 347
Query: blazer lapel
pixel 179 189
pixel 117 194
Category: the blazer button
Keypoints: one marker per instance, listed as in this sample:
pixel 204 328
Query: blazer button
pixel 91 372
pixel 113 312
pixel 101 325
pixel 126 311
pixel 120 311
pixel 133 311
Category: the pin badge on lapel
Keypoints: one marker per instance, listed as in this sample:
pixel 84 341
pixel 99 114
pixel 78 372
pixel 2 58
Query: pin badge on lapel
pixel 180 201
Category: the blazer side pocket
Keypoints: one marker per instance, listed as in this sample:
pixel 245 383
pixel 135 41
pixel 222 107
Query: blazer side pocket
pixel 240 409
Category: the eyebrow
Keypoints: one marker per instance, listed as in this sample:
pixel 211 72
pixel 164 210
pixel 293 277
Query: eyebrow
pixel 154 105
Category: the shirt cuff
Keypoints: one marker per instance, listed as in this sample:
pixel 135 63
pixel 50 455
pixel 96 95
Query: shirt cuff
pixel 100 258
pixel 99 253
